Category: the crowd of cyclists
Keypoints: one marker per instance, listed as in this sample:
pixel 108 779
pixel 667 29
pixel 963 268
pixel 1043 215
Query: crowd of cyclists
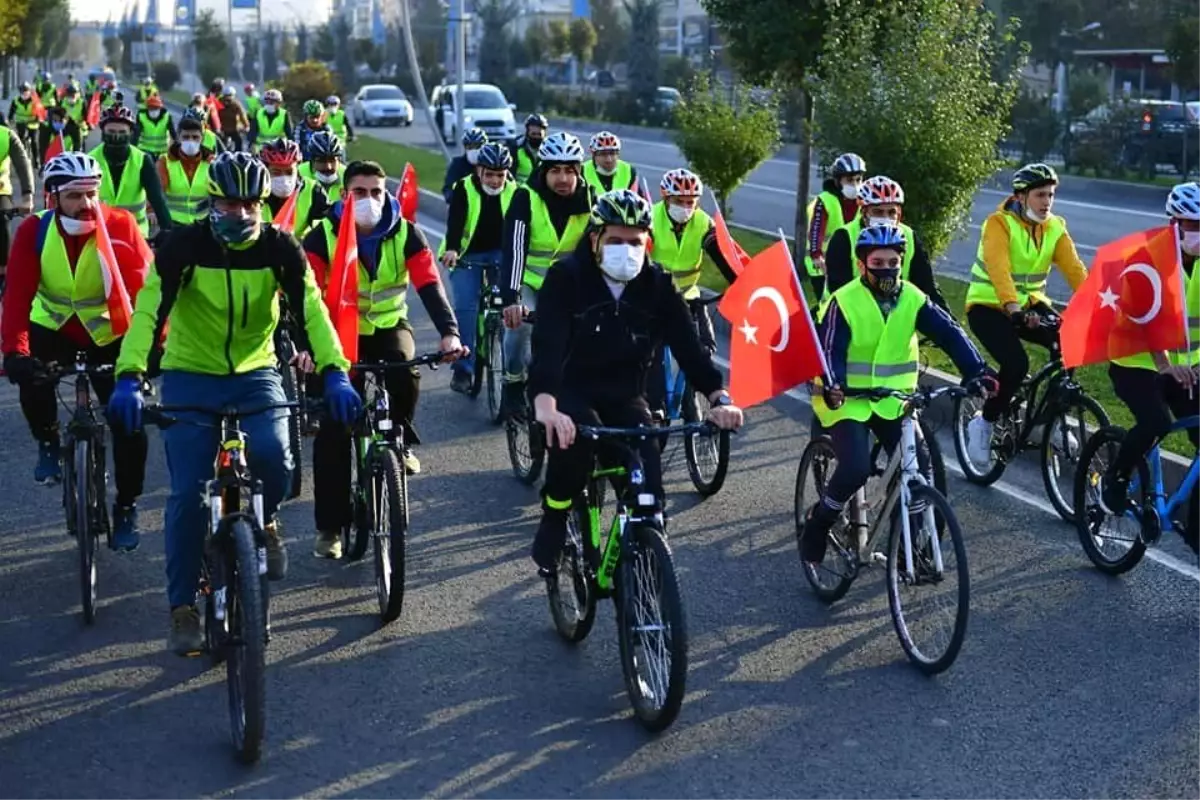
pixel 595 276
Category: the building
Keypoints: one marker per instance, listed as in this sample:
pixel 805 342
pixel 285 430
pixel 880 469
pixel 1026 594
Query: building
pixel 356 13
pixel 682 27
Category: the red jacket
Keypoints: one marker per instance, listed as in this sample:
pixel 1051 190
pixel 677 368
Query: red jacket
pixel 25 274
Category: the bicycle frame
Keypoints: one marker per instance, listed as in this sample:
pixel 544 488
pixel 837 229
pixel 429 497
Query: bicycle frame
pixel 1163 504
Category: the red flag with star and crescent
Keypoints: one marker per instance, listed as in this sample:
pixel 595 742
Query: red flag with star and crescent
pixel 1131 302
pixel 408 193
pixel 773 345
pixel 341 288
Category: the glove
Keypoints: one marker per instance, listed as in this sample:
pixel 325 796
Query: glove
pixel 126 404
pixel 21 368
pixel 984 385
pixel 343 402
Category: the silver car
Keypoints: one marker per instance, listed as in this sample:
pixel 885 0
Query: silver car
pixel 381 104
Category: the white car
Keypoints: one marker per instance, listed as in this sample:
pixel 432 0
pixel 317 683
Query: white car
pixel 485 107
pixel 381 104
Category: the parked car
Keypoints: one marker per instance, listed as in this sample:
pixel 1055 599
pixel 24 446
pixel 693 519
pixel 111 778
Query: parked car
pixel 381 104
pixel 484 106
pixel 667 98
pixel 1153 132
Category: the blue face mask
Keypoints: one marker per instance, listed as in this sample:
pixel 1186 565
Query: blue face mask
pixel 234 228
pixel 58 126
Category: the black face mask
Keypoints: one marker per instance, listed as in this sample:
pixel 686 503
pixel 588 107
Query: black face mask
pixel 534 141
pixel 116 143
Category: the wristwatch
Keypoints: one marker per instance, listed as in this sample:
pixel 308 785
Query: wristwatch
pixel 723 399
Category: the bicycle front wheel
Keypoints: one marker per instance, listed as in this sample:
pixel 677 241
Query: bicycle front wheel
pixel 291 378
pixel 363 497
pixel 929 604
pixel 494 364
pixel 526 447
pixel 1112 541
pixel 651 629
pixel 707 454
pixel 83 505
pixel 247 642
pixel 1062 447
pixel 390 533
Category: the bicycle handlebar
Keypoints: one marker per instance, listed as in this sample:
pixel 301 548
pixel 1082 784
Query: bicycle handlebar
pixel 644 431
pixel 921 397
pixel 161 415
pixel 430 360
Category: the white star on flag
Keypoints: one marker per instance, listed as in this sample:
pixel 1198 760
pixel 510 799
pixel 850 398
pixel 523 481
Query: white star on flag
pixel 749 331
pixel 1108 298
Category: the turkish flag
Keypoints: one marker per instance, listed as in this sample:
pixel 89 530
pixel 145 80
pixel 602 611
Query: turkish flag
pixel 285 220
pixel 39 110
pixel 93 112
pixel 56 148
pixel 408 193
pixel 773 346
pixel 341 290
pixel 1131 302
pixel 735 256
pixel 120 308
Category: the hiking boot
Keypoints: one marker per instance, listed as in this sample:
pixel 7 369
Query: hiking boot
pixel 48 469
pixel 185 638
pixel 548 542
pixel 461 381
pixel 328 544
pixel 125 536
pixel 277 557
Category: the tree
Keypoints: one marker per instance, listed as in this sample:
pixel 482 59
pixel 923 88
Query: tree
pixel 724 142
pixel 495 16
pixel 558 39
pixel 166 75
pixel 54 31
pixel 323 47
pixel 306 80
pixel 341 48
pixel 642 56
pixel 365 52
pixel 583 43
pixel 302 53
pixel 286 49
pixel 1183 46
pixel 677 71
pixel 518 56
pixel 537 44
pixel 271 57
pixel 250 55
pixel 611 34
pixel 112 49
pixel 212 48
pixel 924 110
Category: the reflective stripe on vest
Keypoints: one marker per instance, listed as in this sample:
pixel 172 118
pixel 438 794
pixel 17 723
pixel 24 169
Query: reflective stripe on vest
pixel 525 165
pixel 382 303
pixel 131 196
pixel 187 201
pixel 833 221
pixel 63 294
pixel 545 245
pixel 683 255
pixel 474 208
pixel 621 177
pixel 154 137
pixel 270 128
pixel 1029 264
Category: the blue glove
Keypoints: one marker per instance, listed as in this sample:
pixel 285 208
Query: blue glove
pixel 344 403
pixel 126 404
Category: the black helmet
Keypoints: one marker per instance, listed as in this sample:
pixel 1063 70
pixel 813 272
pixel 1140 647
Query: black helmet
pixel 621 207
pixel 494 155
pixel 324 144
pixel 538 120
pixel 1033 176
pixel 238 176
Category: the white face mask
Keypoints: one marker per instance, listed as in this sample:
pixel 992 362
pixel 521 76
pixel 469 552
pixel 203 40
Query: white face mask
pixel 283 185
pixel 154 113
pixel 622 262
pixel 1191 243
pixel 680 214
pixel 603 170
pixel 368 211
pixel 849 190
pixel 492 191
pixel 76 227
pixel 880 222
pixel 1033 216
pixel 472 157
pixel 326 178
pixel 189 148
pixel 270 107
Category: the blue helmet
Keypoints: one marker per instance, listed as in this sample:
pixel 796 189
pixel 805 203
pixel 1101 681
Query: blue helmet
pixel 494 156
pixel 474 137
pixel 879 237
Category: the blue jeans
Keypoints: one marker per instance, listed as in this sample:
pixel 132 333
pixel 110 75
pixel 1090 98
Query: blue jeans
pixel 517 342
pixel 190 453
pixel 466 282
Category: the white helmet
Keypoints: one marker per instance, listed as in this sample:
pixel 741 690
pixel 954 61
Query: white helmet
pixel 1184 201
pixel 561 148
pixel 604 142
pixel 71 168
pixel 681 182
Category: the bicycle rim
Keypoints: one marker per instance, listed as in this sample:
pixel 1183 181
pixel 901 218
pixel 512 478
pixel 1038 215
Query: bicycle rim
pixel 929 607
pixel 362 507
pixel 707 454
pixel 1062 448
pixel 290 379
pixel 1112 543
pixel 571 593
pixel 391 531
pixel 85 526
pixel 246 646
pixel 525 449
pixel 831 579
pixel 495 374
pixel 965 408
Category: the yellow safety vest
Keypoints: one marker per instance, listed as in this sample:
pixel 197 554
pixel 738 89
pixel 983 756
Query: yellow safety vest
pixel 833 221
pixel 270 128
pixel 1030 264
pixel 1189 354
pixel 63 294
pixel 545 245
pixel 75 110
pixel 332 189
pixel 5 134
pixel 187 200
pixel 680 255
pixel 24 114
pixel 154 137
pixel 303 211
pixel 474 207
pixel 337 122
pixel 525 166
pixel 621 178
pixel 383 302
pixel 132 195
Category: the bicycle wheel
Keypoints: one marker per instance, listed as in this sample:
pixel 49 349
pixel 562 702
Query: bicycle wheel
pixel 927 441
pixel 831 580
pixel 83 505
pixel 246 652
pixel 390 532
pixel 1113 543
pixel 948 591
pixel 707 454
pixel 495 369
pixel 651 629
pixel 291 389
pixel 526 447
pixel 1062 446
pixel 357 533
pixel 966 409
pixel 572 593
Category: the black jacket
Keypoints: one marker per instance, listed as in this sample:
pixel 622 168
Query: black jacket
pixel 516 226
pixel 840 268
pixel 589 345
pixel 457 169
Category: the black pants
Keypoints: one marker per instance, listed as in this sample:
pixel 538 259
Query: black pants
pixel 40 406
pixel 1003 341
pixel 331 447
pixel 852 444
pixel 818 287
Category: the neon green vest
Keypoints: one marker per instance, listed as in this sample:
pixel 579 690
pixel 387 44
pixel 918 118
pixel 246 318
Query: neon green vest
pixel 620 179
pixel 545 245
pixel 24 114
pixel 337 122
pixel 1189 354
pixel 187 201
pixel 474 206
pixel 75 110
pixel 132 195
pixel 1030 264
pixel 5 133
pixel 154 137
pixel 253 104
pixel 332 189
pixel 680 255
pixel 63 294
pixel 269 129
pixel 883 354
pixel 383 302
pixel 303 211
pixel 525 165
pixel 833 217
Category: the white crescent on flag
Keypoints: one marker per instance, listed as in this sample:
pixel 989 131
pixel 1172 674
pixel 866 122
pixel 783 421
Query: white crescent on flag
pixel 785 323
pixel 1150 274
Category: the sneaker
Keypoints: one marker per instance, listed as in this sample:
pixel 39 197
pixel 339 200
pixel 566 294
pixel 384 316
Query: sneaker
pixel 548 541
pixel 814 538
pixel 125 537
pixel 185 638
pixel 277 558
pixel 49 464
pixel 328 544
pixel 979 440
pixel 461 381
pixel 412 465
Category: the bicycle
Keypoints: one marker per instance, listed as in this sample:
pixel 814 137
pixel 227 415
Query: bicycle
pixel 525 436
pixel 1064 411
pixel 1153 511
pixel 489 338
pixel 635 567
pixel 913 557
pixel 233 573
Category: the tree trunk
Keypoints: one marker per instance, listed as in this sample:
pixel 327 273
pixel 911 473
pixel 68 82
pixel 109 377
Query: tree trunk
pixel 804 127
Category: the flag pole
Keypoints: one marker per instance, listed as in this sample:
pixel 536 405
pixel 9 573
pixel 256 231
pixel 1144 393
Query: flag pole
pixel 808 320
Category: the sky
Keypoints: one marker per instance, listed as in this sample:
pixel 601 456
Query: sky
pixel 280 11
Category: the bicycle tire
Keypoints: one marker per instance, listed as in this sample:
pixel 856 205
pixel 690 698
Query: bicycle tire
pixel 357 533
pixel 1090 516
pixel 291 389
pixel 933 450
pixel 648 540
pixel 527 466
pixel 580 580
pixel 495 371
pixel 84 490
pixel 969 469
pixel 480 358
pixel 1065 506
pixel 947 525
pixel 822 448
pixel 706 486
pixel 391 488
pixel 245 663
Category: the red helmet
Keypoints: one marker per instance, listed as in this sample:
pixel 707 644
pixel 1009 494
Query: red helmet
pixel 117 113
pixel 681 183
pixel 280 153
pixel 880 190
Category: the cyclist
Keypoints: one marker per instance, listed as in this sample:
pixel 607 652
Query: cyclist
pixel 23 118
pixel 282 158
pixel 1006 300
pixel 1156 386
pixel 606 171
pixel 76 108
pixel 462 166
pixel 219 281
pixel 326 162
pixel 55 306
pixel 58 123
pixel 272 120
pixel 45 90
pixel 881 202
pixel 215 90
pixel 253 100
pixel 474 225
pixel 336 118
pixel 868 330
pixel 183 172
pixel 130 180
pixel 155 130
pixel 210 140
pixel 391 253
pixel 71 81
pixel 12 158
pixel 605 309
pixel 526 148
pixel 313 122
pixel 830 210
pixel 147 90
pixel 232 118
pixel 545 221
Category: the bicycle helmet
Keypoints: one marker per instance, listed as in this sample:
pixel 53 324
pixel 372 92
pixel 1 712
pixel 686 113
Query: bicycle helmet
pixel 561 148
pixel 217 85
pixel 198 97
pixel 272 96
pixel 680 183
pixel 280 153
pixel 192 114
pixel 1184 201
pixel 69 168
pixel 324 144
pixel 474 137
pixel 228 91
pixel 494 156
pixel 25 87
pixel 880 190
pixel 621 207
pixel 118 97
pixel 604 142
pixel 148 81
pixel 1033 176
pixel 848 164
pixel 116 113
pixel 238 176
pixel 878 238
pixel 154 101
pixel 313 108
pixel 248 88
pixel 333 100
pixel 537 120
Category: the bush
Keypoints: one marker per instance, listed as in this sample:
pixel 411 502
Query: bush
pixel 525 93
pixel 306 80
pixel 166 75
pixel 1035 125
pixel 1099 146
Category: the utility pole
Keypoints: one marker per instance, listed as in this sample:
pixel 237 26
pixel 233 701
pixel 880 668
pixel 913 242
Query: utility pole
pixel 459 20
pixel 262 65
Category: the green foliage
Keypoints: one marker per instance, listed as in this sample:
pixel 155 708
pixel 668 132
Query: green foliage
pixel 112 49
pixel 54 29
pixel 306 80
pixel 1086 91
pixel 610 32
pixel 283 47
pixel 1183 46
pixel 212 49
pixel 342 58
pixel 525 93
pixel 537 44
pixel 323 47
pixel 249 56
pixel 677 71
pixel 270 70
pixel 582 42
pixel 925 109
pixel 1096 148
pixel 1035 125
pixel 558 39
pixel 772 39
pixel 12 14
pixel 724 141
pixel 642 56
pixel 166 75
pixel 494 50
pixel 302 44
